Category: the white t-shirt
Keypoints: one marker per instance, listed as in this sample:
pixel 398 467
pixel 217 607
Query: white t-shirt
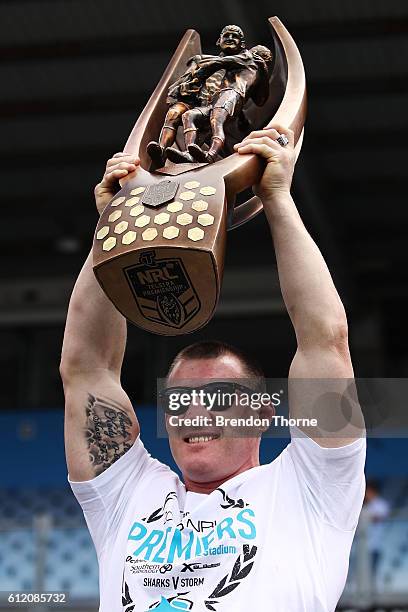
pixel 276 537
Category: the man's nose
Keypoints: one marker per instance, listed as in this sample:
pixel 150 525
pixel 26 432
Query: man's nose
pixel 197 408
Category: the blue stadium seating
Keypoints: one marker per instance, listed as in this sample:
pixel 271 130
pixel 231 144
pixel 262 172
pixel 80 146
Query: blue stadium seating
pixel 70 559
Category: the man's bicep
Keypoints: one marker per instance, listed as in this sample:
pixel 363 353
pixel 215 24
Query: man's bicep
pixel 322 390
pixel 100 425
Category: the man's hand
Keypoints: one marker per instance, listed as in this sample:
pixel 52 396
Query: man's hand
pixel 119 166
pixel 277 176
pixel 208 66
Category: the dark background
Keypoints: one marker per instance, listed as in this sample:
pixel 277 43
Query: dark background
pixel 75 74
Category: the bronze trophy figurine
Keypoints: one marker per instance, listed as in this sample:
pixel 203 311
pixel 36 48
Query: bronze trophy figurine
pixel 159 245
pixel 212 91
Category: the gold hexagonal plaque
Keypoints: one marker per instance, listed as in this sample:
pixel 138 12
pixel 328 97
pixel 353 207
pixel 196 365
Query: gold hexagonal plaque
pixel 187 195
pixel 129 237
pixel 142 221
pixel 196 233
pixel 175 207
pixel 118 201
pixel 184 219
pixel 109 243
pixel 132 201
pixel 104 231
pixel 149 234
pixel 161 218
pixel 208 190
pixel 199 205
pixel 136 210
pixel 137 191
pixel 171 232
pixel 115 216
pixel 192 185
pixel 121 227
pixel 205 219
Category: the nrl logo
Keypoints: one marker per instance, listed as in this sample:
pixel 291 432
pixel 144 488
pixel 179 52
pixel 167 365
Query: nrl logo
pixel 163 290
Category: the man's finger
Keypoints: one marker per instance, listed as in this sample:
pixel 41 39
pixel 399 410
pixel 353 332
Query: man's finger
pixel 271 132
pixel 261 140
pixel 263 150
pixel 114 176
pixel 122 165
pixel 290 134
pixel 122 154
pixel 124 158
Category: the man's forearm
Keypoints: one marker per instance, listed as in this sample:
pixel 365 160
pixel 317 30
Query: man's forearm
pixel 209 66
pixel 95 332
pixel 308 290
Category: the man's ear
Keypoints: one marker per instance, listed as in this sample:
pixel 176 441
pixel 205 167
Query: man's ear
pixel 267 411
pixel 218 42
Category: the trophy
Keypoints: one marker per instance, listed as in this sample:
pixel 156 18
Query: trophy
pixel 159 245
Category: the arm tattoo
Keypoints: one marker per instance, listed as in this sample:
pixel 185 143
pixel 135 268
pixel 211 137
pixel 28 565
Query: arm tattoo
pixel 108 432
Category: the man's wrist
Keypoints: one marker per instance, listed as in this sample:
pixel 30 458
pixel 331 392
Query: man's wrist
pixel 275 196
pixel 278 205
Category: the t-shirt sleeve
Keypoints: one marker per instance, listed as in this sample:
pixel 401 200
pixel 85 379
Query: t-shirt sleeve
pixel 103 499
pixel 332 479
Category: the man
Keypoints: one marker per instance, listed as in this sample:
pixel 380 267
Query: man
pixel 376 512
pixel 190 91
pixel 244 76
pixel 235 535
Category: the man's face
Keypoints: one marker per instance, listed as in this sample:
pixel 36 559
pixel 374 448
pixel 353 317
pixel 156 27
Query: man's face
pixel 220 457
pixel 230 42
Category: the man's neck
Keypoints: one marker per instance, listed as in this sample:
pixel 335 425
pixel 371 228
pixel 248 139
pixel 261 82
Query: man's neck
pixel 209 486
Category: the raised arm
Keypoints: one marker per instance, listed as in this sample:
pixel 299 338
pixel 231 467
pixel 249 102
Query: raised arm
pixel 100 424
pixel 208 66
pixel 311 299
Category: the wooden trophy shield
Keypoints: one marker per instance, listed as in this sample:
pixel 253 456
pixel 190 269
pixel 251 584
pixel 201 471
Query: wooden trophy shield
pixel 159 245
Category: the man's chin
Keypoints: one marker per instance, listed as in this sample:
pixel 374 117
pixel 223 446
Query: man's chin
pixel 200 460
pixel 203 471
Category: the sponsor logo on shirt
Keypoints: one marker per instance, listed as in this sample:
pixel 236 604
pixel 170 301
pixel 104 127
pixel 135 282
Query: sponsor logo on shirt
pixel 174 581
pixel 172 544
pixel 192 567
pixel 241 569
pixel 157 544
pixel 139 566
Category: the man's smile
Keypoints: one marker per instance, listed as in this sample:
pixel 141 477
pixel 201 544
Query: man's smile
pixel 201 438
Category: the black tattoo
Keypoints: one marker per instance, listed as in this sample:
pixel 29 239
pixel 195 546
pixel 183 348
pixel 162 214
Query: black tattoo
pixel 108 432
